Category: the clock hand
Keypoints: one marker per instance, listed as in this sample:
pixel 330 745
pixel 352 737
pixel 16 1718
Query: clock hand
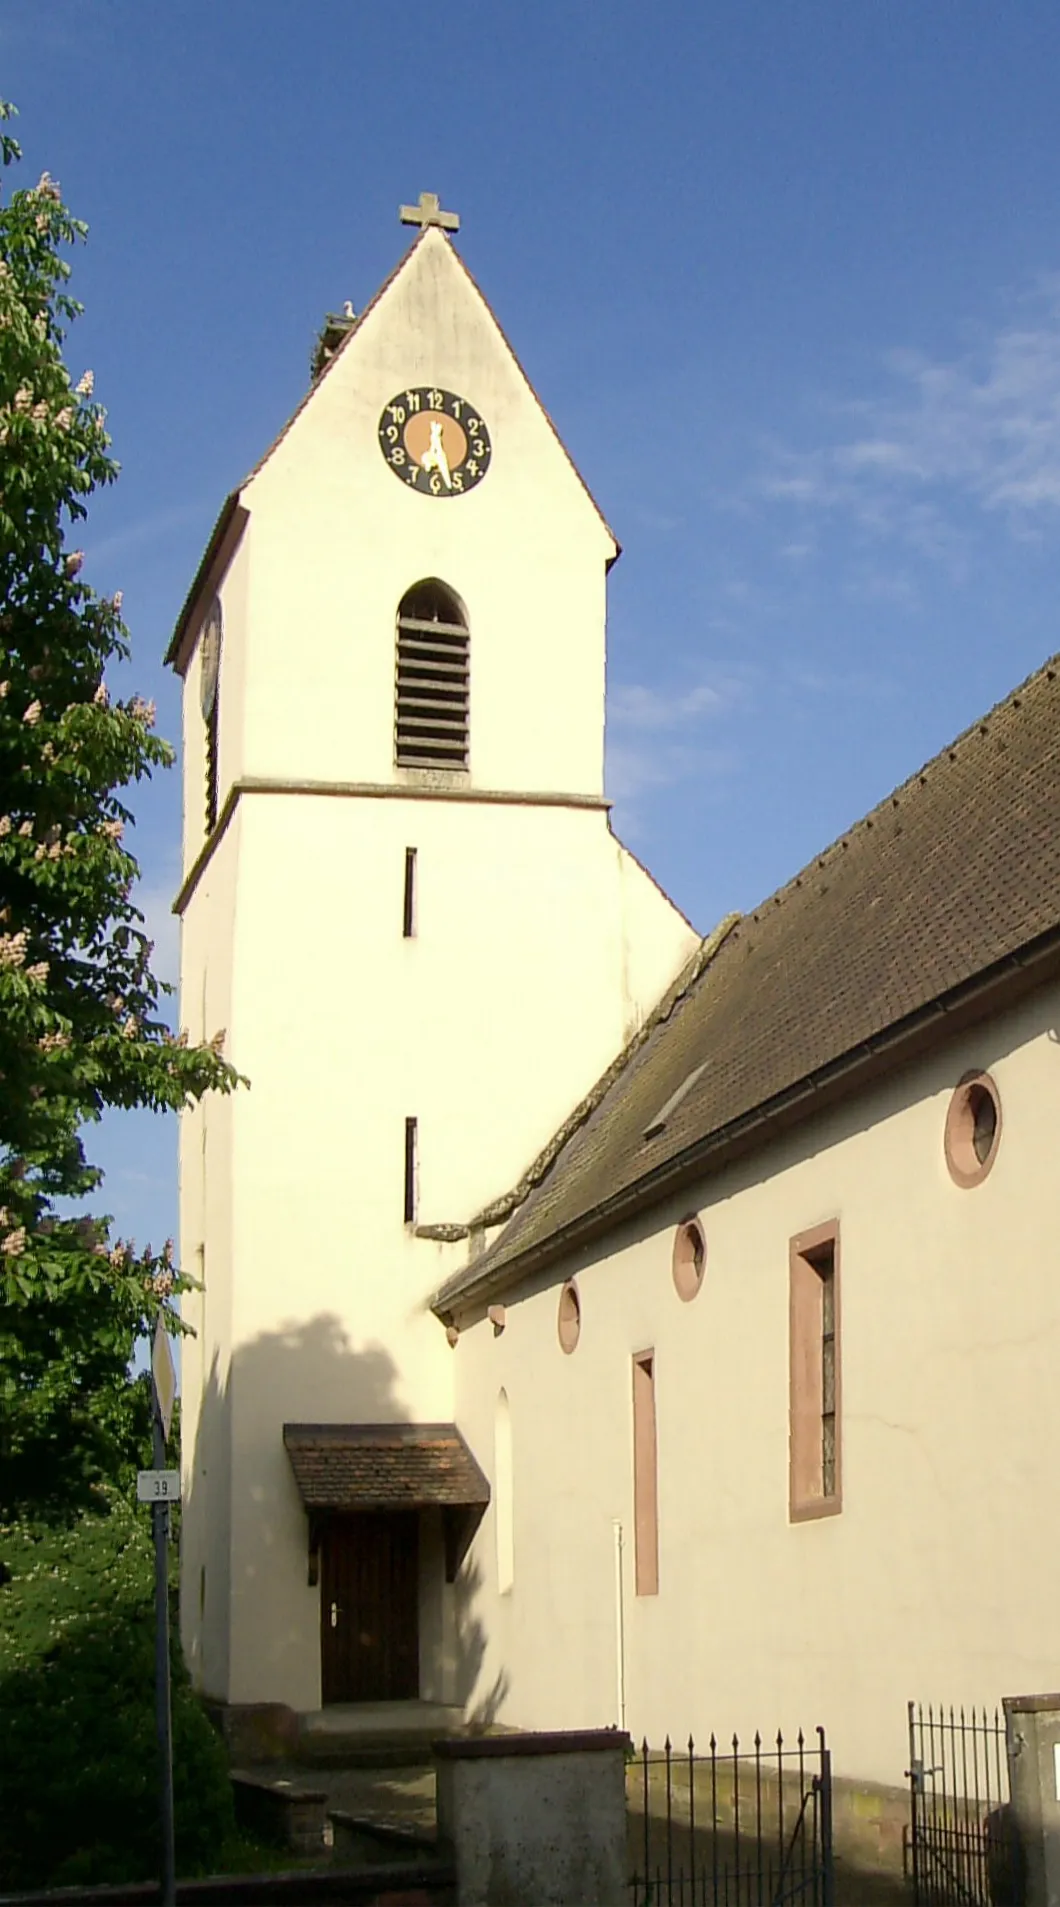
pixel 434 457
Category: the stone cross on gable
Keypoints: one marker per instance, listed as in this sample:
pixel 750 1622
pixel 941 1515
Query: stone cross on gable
pixel 429 212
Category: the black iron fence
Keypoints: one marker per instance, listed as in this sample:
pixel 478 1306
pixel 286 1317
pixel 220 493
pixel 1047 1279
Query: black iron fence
pixel 732 1827
pixel 963 1846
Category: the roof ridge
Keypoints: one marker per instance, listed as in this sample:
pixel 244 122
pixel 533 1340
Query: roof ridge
pixel 503 1207
pixel 1047 670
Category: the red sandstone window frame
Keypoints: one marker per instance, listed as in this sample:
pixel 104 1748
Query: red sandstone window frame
pixel 813 1260
pixel 645 1476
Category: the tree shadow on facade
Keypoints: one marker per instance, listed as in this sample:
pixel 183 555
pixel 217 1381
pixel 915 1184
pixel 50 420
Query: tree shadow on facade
pixel 481 1704
pixel 251 1611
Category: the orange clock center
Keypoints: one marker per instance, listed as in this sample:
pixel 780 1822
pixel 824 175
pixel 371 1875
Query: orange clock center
pixel 418 434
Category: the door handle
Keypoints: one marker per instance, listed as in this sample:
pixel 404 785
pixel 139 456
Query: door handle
pixel 334 1615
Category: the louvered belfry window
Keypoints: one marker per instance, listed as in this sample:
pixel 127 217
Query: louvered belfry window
pixel 433 680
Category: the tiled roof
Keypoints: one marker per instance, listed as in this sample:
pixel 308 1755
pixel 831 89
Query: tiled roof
pixel 953 875
pixel 383 1466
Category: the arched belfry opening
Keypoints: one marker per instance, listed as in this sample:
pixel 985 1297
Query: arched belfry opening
pixel 433 679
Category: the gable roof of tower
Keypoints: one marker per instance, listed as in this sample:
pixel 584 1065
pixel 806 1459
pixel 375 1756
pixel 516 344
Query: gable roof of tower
pixel 942 902
pixel 177 650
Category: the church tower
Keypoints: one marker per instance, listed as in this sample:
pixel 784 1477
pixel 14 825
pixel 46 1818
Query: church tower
pixel 402 900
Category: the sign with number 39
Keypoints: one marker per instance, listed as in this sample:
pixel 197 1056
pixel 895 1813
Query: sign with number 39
pixel 158 1486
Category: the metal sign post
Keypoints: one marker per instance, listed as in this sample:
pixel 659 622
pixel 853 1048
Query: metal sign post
pixel 156 1487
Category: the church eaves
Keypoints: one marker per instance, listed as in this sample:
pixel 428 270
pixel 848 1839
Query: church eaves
pixel 938 907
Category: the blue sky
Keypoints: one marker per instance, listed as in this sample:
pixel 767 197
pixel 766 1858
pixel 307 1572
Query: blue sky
pixel 786 276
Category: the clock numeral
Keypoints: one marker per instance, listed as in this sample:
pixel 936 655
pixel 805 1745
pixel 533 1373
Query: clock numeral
pixel 397 412
pixel 436 483
pixel 458 405
pixel 458 479
pixel 471 467
pixel 397 455
pixel 436 400
pixel 479 447
pixel 391 433
pixel 474 425
pixel 412 399
pixel 412 473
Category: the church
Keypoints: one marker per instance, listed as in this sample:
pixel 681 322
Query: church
pixel 595 1323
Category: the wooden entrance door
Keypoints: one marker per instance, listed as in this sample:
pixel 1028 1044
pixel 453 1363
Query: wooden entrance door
pixel 369 1608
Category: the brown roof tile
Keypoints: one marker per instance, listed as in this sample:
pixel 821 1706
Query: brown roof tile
pixel 383 1466
pixel 955 872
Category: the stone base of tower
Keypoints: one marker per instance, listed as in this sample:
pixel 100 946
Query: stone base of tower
pixel 347 1735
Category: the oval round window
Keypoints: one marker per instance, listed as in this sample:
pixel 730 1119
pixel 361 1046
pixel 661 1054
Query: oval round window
pixel 690 1259
pixel 973 1129
pixel 569 1322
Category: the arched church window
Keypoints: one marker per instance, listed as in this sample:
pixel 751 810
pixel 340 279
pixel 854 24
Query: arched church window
pixel 432 695
pixel 209 684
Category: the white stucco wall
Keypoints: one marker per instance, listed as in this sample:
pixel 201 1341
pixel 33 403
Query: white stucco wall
pixel 939 1579
pixel 486 1027
pixel 206 1243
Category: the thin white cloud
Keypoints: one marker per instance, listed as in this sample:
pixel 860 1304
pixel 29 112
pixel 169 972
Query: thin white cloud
pixel 657 737
pixel 632 706
pixel 979 429
pixel 146 529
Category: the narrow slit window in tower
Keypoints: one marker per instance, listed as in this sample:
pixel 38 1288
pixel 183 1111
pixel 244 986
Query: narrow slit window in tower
pixel 411 1162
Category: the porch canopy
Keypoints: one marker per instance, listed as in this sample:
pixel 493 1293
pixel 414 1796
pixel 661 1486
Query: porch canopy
pixel 342 1468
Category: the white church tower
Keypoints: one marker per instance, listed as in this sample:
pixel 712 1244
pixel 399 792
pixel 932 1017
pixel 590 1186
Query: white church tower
pixel 402 901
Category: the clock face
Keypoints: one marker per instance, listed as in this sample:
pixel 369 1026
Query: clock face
pixel 211 661
pixel 434 441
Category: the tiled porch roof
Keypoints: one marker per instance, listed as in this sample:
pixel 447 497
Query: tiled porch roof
pixel 383 1466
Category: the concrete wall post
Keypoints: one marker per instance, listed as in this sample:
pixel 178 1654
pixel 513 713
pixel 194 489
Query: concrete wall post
pixel 536 1820
pixel 1032 1732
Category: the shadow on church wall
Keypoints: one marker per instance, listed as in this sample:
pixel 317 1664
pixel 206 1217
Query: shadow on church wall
pixel 250 1618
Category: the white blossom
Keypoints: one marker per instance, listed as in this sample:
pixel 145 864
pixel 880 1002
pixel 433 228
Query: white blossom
pixel 32 715
pixel 74 562
pixel 15 1242
pixel 13 948
pixel 87 385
